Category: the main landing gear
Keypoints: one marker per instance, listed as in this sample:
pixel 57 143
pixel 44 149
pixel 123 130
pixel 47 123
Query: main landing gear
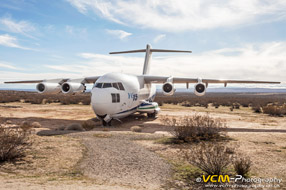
pixel 152 115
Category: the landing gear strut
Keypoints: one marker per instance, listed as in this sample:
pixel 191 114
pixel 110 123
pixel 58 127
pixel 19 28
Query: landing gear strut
pixel 104 123
pixel 152 115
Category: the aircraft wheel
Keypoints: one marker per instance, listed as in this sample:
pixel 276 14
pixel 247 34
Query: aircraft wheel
pixel 151 115
pixel 109 123
pixel 104 123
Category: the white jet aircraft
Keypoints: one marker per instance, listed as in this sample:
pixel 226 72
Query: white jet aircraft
pixel 117 95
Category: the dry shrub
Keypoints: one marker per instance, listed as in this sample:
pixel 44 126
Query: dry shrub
pixel 236 105
pixel 186 104
pixel 36 125
pixel 212 158
pixel 136 129
pixel 275 110
pixel 74 127
pixel 195 127
pixel 257 109
pixel 26 126
pixel 242 166
pixel 88 125
pixel 44 101
pixel 61 128
pixel 13 143
pixel 8 122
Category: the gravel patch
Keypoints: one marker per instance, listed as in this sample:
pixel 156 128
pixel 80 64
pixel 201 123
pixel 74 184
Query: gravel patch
pixel 116 159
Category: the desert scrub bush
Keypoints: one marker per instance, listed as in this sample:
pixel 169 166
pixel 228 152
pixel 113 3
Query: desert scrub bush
pixel 196 127
pixel 88 125
pixel 61 128
pixel 274 110
pixel 26 126
pixel 236 105
pixel 257 109
pixel 212 158
pixel 13 143
pixel 186 104
pixel 242 166
pixel 74 127
pixel 136 129
pixel 36 125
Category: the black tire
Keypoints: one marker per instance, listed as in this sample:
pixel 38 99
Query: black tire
pixel 109 123
pixel 104 123
pixel 151 115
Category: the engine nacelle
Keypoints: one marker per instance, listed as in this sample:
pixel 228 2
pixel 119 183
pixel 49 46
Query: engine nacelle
pixel 48 87
pixel 200 89
pixel 73 87
pixel 168 89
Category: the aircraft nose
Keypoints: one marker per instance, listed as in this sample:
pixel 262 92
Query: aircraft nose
pixel 100 101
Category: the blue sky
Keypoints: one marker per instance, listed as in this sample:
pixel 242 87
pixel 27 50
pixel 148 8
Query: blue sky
pixel 243 39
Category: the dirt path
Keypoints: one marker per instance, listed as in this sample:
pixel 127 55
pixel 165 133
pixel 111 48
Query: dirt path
pixel 113 158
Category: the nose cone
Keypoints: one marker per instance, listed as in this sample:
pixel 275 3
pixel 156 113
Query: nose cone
pixel 100 101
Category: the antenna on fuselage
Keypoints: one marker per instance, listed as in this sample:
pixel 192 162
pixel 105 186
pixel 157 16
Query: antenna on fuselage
pixel 148 55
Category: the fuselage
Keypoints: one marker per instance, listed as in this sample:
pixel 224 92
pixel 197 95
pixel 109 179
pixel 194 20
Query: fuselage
pixel 117 95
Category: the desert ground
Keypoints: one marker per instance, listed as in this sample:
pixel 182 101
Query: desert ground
pixel 116 158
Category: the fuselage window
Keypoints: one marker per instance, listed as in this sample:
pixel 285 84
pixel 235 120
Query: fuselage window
pixel 115 85
pixel 107 85
pixel 115 98
pixel 98 85
pixel 120 86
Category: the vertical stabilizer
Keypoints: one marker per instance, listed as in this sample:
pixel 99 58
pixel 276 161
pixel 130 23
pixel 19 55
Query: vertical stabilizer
pixel 148 55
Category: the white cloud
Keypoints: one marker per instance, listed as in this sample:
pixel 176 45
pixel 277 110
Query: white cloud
pixel 159 37
pixel 8 66
pixel 174 15
pixel 119 33
pixel 21 27
pixel 75 31
pixel 10 41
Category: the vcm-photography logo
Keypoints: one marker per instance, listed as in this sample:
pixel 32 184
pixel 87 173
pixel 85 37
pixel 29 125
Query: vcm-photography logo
pixel 237 178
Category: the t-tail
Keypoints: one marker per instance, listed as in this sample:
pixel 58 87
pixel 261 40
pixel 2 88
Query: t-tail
pixel 148 55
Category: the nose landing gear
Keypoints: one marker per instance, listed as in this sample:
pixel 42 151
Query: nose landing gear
pixel 104 123
pixel 106 120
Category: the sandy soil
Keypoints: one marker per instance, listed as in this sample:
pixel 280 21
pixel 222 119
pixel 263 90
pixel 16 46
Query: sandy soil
pixel 65 166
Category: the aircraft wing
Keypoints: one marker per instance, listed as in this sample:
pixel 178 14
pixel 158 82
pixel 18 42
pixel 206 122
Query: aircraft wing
pixel 59 81
pixel 163 79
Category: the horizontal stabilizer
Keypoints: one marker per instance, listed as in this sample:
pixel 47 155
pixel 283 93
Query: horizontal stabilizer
pixel 148 53
pixel 167 50
pixel 131 51
pixel 151 50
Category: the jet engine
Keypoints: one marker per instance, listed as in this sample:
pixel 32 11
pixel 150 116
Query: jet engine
pixel 72 87
pixel 200 89
pixel 48 87
pixel 168 89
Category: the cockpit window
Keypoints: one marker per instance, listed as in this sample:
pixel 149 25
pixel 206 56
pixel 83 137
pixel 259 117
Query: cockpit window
pixel 98 85
pixel 121 86
pixel 115 85
pixel 107 85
